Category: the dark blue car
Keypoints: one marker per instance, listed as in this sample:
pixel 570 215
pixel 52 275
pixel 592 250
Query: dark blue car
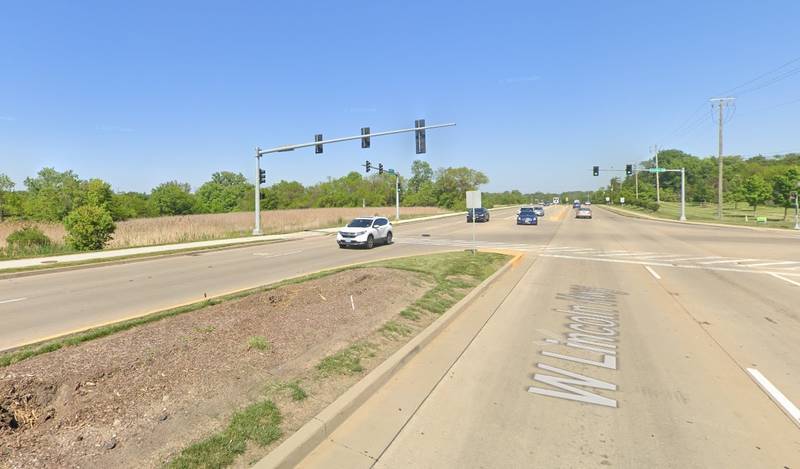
pixel 527 216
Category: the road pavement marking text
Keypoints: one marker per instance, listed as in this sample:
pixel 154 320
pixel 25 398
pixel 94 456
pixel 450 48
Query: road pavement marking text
pixel 592 328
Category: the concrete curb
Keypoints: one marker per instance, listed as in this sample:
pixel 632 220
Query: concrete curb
pixel 289 453
pixel 630 213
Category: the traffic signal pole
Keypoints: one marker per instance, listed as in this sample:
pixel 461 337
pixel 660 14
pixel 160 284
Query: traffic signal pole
pixel 396 196
pixel 419 129
pixel 257 230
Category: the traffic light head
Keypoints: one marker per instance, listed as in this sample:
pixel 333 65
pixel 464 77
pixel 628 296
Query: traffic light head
pixel 318 148
pixel 420 135
pixel 628 169
pixel 595 170
pixel 262 176
pixel 365 140
pixel 368 165
pixel 380 168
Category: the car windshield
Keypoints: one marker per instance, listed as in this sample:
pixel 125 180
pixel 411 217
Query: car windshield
pixel 526 210
pixel 360 223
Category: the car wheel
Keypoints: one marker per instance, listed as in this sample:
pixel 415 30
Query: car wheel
pixel 389 238
pixel 370 242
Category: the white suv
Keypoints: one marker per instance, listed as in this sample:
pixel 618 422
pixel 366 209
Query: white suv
pixel 365 232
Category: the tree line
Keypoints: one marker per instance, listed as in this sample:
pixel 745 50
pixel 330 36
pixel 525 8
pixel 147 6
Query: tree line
pixel 52 195
pixel 758 181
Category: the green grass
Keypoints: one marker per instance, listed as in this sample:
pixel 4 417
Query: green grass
pixel 394 330
pixel 742 214
pixel 410 313
pixel 205 330
pixel 293 388
pixel 453 274
pixel 258 342
pixel 259 423
pixel 346 361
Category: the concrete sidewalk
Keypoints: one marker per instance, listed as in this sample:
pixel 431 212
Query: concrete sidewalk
pixel 118 253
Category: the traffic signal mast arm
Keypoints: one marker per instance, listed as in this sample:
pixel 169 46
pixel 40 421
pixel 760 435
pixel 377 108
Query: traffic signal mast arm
pixel 344 139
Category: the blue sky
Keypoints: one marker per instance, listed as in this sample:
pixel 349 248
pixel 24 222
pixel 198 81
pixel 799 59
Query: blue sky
pixel 138 93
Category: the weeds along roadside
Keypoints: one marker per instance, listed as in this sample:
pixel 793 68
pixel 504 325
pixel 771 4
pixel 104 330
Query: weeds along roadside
pixel 254 430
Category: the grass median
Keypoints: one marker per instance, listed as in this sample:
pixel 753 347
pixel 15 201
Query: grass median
pixel 226 379
pixel 739 215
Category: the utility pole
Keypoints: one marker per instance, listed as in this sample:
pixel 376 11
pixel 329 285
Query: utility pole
pixel 721 103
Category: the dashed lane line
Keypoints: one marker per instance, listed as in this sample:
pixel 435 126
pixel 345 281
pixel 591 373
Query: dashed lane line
pixel 785 279
pixel 14 300
pixel 652 272
pixel 776 395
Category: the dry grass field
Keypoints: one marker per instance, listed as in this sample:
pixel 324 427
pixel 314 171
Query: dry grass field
pixel 177 229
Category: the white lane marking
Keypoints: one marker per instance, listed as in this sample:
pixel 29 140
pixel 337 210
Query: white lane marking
pixel 14 300
pixel 634 254
pixel 728 261
pixel 776 395
pixel 664 264
pixel 662 256
pixel 785 279
pixel 270 254
pixel 764 264
pixel 352 303
pixel 652 272
pixel 684 259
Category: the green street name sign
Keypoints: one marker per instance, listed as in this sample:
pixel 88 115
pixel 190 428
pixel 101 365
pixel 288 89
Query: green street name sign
pixel 657 170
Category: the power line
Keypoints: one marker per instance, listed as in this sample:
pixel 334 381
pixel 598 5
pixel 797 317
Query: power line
pixel 753 80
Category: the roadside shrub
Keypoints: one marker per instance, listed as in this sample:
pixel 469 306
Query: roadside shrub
pixel 27 240
pixel 645 204
pixel 89 228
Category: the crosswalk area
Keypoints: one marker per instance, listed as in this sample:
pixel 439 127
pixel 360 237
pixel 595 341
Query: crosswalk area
pixel 676 259
pixel 623 256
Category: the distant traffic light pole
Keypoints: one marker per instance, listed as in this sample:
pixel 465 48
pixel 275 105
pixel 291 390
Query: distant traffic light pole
pixel 629 170
pixel 419 130
pixel 396 175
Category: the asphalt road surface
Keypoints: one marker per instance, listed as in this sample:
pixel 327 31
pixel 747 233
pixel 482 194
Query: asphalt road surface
pixel 616 342
pixel 621 343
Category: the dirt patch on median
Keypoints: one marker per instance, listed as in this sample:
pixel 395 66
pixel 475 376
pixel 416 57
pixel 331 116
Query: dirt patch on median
pixel 136 398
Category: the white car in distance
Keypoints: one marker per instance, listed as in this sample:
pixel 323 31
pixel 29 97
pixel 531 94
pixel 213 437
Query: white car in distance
pixel 365 232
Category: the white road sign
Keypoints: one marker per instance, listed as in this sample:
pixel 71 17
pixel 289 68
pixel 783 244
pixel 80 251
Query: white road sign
pixel 474 199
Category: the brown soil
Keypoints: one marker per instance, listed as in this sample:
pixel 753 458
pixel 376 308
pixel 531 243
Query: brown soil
pixel 135 399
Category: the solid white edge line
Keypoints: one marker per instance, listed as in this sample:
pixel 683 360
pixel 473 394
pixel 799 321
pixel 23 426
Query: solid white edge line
pixel 785 279
pixel 14 300
pixel 776 395
pixel 652 272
